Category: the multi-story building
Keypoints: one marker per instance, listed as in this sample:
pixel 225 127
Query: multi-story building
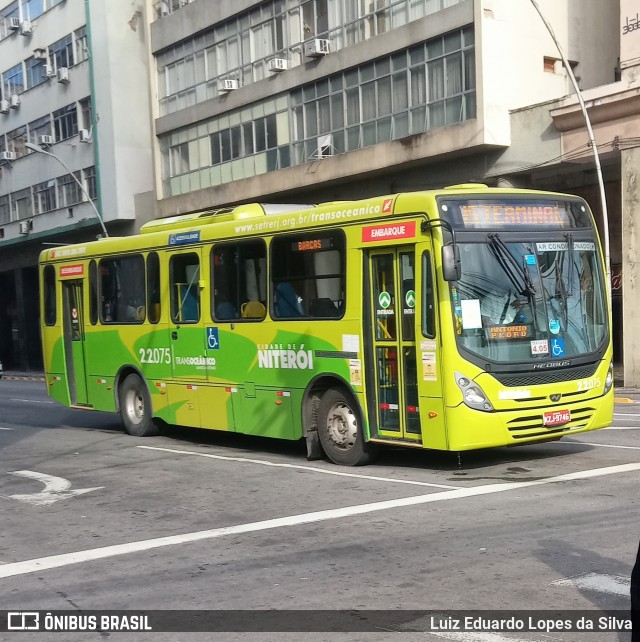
pixel 316 100
pixel 74 84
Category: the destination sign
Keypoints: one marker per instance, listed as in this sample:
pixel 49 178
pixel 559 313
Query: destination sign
pixel 510 213
pixel 508 332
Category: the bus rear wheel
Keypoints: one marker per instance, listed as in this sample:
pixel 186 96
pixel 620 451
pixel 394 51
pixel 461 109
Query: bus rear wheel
pixel 135 407
pixel 340 430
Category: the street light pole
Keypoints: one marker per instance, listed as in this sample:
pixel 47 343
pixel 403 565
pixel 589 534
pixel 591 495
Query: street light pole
pixel 36 148
pixel 592 143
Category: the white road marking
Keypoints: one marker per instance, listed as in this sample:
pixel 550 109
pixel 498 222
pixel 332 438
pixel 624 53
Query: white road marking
pixel 33 401
pixel 55 489
pixel 66 559
pixel 589 443
pixel 626 414
pixel 324 471
pixel 623 428
pixel 598 582
pixel 3 428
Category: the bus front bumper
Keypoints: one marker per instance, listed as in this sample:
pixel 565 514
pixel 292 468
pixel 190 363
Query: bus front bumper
pixel 469 429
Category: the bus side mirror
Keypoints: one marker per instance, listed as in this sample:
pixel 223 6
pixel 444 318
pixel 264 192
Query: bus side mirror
pixel 451 269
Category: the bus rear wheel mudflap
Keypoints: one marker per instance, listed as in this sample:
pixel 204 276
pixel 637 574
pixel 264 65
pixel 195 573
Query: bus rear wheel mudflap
pixel 135 407
pixel 340 429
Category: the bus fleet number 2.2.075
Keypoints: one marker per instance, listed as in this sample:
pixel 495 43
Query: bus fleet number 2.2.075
pixel 155 355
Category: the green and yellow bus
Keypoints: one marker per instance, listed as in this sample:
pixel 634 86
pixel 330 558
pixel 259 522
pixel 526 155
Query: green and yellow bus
pixel 454 319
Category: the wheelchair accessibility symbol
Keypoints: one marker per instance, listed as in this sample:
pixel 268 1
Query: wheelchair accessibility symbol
pixel 557 347
pixel 212 339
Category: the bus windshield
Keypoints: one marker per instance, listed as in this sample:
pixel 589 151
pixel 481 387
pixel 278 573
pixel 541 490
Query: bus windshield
pixel 530 301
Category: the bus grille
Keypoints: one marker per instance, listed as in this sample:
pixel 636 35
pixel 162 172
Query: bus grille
pixel 531 426
pixel 548 376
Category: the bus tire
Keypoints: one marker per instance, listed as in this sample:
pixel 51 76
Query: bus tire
pixel 340 429
pixel 135 407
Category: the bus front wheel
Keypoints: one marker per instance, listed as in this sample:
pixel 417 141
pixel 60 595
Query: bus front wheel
pixel 135 407
pixel 340 430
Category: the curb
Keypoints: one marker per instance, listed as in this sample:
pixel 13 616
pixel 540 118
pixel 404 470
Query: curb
pixel 21 378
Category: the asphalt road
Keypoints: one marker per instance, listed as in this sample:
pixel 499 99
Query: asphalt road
pixel 93 519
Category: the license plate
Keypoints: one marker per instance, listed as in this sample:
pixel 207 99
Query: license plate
pixel 556 418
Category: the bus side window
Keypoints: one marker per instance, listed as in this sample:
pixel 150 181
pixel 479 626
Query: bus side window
pixel 308 274
pixel 153 287
pixel 428 298
pixel 239 281
pixel 122 289
pixel 185 290
pixel 49 278
pixel 93 292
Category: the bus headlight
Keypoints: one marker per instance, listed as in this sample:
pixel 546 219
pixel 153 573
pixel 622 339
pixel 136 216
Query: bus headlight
pixel 472 394
pixel 608 382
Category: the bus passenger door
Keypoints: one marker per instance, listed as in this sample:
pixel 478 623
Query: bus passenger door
pixel 392 345
pixel 74 341
pixel 186 335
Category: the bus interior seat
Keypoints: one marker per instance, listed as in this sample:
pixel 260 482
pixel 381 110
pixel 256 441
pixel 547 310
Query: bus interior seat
pixel 287 302
pixel 225 310
pixel 141 312
pixel 324 307
pixel 253 310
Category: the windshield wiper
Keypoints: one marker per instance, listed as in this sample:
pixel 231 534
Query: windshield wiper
pixel 511 267
pixel 569 238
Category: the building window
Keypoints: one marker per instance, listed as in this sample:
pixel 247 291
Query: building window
pixel 90 182
pixel 16 140
pixel 40 127
pixel 13 81
pixel 81 45
pixel 61 52
pixel 44 196
pixel 22 204
pixel 31 9
pixel 179 159
pixel 5 209
pixel 7 12
pixel 69 192
pixel 65 122
pixel 35 71
pixel 85 113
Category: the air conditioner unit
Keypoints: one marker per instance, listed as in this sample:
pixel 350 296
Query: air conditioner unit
pixel 39 53
pixel 7 156
pixel 13 23
pixel 26 227
pixel 63 75
pixel 325 146
pixel 84 135
pixel 49 71
pixel 278 64
pixel 229 84
pixel 14 101
pixel 45 139
pixel 26 28
pixel 316 48
pixel 4 106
